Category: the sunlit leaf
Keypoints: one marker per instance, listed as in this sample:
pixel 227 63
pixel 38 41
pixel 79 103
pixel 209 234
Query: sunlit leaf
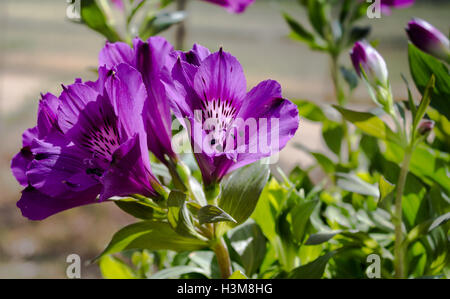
pixel 114 268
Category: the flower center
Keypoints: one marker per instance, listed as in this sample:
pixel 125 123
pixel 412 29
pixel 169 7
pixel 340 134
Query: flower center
pixel 102 139
pixel 217 117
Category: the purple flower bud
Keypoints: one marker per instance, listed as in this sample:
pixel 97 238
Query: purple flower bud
pixel 425 127
pixel 429 39
pixel 370 64
pixel 233 6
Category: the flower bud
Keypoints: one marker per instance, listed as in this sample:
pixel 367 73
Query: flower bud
pixel 428 39
pixel 370 66
pixel 425 127
pixel 367 61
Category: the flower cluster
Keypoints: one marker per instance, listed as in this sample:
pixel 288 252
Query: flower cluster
pixel 91 142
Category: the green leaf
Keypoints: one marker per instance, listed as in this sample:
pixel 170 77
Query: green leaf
pixel 248 241
pixel 178 214
pixel 94 18
pixel 309 110
pixel 411 104
pixel 298 29
pixel 426 227
pixel 114 268
pixel 176 272
pixel 302 34
pixel 212 214
pixel 422 67
pixel 369 123
pixel 350 77
pixel 313 270
pixel 317 16
pixel 197 190
pixel 333 133
pixel 426 99
pixel 238 275
pixel 300 218
pixel 153 25
pixel 353 183
pixel 430 165
pixel 136 209
pixel 152 235
pixel 241 191
pixel 326 163
pixel 319 238
pixel 268 207
pixel 385 188
pixel 358 33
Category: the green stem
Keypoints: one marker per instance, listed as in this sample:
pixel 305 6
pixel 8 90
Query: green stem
pixel 180 33
pixel 399 255
pixel 223 258
pixel 340 96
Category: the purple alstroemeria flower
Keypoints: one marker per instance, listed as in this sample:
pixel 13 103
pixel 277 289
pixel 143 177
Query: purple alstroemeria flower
pixel 86 145
pixel 233 6
pixel 227 125
pixel 367 61
pixel 151 59
pixel 387 5
pixel 429 39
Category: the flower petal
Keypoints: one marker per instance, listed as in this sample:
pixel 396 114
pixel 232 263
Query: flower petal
pixel 129 173
pixel 221 77
pixel 59 172
pixel 277 121
pixel 73 100
pixel 36 205
pixel 114 53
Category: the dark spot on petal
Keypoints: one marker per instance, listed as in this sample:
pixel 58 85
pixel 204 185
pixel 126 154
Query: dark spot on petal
pixel 41 156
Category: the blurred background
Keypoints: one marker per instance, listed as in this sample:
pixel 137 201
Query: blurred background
pixel 40 50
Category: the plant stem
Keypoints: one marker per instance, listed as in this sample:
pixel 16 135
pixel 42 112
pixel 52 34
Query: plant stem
pixel 223 258
pixel 399 256
pixel 340 96
pixel 180 32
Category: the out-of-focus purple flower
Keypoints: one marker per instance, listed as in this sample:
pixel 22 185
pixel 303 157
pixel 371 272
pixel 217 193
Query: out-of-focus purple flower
pixel 118 4
pixel 387 5
pixel 368 61
pixel 429 39
pixel 233 6
pixel 88 142
pixel 425 127
pixel 151 59
pixel 227 125
pixel 121 6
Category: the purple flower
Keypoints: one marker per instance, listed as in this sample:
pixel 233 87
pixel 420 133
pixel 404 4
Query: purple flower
pixel 369 63
pixel 387 5
pixel 233 6
pixel 427 38
pixel 151 59
pixel 86 144
pixel 227 125
pixel 121 6
pixel 118 4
